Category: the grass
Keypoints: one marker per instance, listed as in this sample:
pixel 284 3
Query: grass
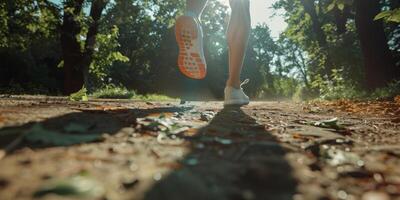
pixel 153 97
pixel 114 92
pixel 388 92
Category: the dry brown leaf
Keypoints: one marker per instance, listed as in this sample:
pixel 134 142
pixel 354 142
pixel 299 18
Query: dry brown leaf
pixel 397 120
pixel 169 114
pixel 2 154
pixel 397 99
pixel 191 132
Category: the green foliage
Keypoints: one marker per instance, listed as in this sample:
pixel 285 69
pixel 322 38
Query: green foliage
pixel 303 93
pixel 387 92
pixel 339 4
pixel 3 25
pixel 337 87
pixel 106 53
pixel 389 15
pixel 154 97
pixel 28 47
pixel 113 92
pixel 120 92
pixel 22 22
pixel 136 49
pixel 340 89
pixel 317 58
pixel 285 87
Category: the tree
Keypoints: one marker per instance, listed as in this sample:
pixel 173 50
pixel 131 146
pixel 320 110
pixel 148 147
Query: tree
pixel 379 65
pixel 265 50
pixel 320 36
pixel 28 44
pixel 78 47
pixel 295 60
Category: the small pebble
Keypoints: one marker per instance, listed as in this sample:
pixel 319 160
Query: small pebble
pixel 375 195
pixel 157 176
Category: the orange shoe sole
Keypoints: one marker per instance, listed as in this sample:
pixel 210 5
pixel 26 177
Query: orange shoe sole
pixel 191 61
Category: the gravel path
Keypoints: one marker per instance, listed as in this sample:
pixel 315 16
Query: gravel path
pixel 112 149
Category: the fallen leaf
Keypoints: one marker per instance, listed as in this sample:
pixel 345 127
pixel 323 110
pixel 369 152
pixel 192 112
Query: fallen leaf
pixel 207 116
pixel 192 161
pixel 397 99
pixel 336 157
pixel 161 115
pixel 81 95
pixel 331 123
pixel 396 120
pixel 79 186
pixel 178 130
pixel 2 154
pixel 38 134
pixel 164 139
pixel 191 132
pixel 223 141
pixel 164 123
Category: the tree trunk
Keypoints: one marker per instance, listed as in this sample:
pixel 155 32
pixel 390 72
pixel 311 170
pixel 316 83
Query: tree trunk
pixel 379 65
pixel 71 49
pixel 76 59
pixel 341 17
pixel 303 68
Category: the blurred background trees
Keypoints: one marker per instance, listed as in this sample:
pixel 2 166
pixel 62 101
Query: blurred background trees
pixel 331 48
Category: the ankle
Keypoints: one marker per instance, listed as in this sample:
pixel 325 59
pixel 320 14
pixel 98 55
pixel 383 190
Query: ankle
pixel 233 84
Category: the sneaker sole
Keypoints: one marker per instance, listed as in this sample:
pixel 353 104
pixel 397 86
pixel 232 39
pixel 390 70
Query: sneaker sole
pixel 236 103
pixel 191 61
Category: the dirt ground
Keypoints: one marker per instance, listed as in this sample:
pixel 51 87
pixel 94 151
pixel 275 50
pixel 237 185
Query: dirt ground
pixel 112 149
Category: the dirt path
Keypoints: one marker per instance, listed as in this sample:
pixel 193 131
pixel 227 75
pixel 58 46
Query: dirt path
pixel 164 150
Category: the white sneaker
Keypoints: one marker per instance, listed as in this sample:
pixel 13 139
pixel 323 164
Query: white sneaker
pixel 236 97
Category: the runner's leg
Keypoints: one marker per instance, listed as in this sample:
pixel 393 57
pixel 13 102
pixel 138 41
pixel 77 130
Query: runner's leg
pixel 238 36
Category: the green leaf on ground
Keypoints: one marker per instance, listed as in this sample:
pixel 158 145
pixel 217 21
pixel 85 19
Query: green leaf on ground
pixel 164 124
pixel 78 186
pixel 192 161
pixel 331 123
pixel 223 140
pixel 81 95
pixel 38 134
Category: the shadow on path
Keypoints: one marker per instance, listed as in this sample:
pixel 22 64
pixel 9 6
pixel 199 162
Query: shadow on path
pixel 95 121
pixel 233 157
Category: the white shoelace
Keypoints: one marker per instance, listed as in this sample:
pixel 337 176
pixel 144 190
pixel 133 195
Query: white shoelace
pixel 244 82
